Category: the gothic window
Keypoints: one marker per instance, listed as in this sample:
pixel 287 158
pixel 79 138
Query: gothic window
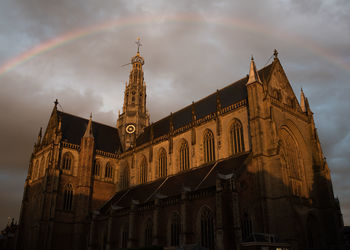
pixel 143 171
pixel 209 146
pixel 68 197
pixel 148 233
pixel 175 229
pixel 292 159
pixel 108 170
pixel 162 163
pixel 125 237
pixel 124 177
pixel 247 227
pixel 207 228
pixel 236 137
pixel 42 167
pixel 96 171
pixel 184 156
pixel 67 161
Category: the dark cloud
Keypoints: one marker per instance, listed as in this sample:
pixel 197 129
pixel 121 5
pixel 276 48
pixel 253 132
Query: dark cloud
pixel 186 59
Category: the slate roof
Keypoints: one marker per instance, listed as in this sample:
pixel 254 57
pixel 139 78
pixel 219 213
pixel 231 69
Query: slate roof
pixel 194 179
pixel 229 95
pixel 73 128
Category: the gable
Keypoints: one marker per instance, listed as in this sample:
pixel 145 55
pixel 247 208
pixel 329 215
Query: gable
pixel 279 87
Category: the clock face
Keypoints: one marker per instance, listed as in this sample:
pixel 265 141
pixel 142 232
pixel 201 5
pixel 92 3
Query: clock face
pixel 130 129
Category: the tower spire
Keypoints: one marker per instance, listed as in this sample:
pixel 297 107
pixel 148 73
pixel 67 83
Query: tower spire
pixel 253 74
pixel 88 131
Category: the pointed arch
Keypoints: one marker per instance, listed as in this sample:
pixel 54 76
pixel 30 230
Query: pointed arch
pixel 124 176
pixel 206 228
pixel 175 229
pixel 292 160
pixel 67 161
pixel 109 170
pixel 96 171
pixel 68 197
pixel 143 170
pixel 162 163
pixel 184 156
pixel 236 137
pixel 148 232
pixel 209 146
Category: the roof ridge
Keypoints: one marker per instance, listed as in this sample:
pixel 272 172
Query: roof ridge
pixel 86 119
pixel 213 93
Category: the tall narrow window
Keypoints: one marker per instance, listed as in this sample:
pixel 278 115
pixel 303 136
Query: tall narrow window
pixel 148 233
pixel 97 168
pixel 247 227
pixel 293 162
pixel 124 177
pixel 209 146
pixel 125 237
pixel 184 156
pixel 109 170
pixel 143 171
pixel 67 161
pixel 162 163
pixel 207 228
pixel 236 137
pixel 68 197
pixel 175 229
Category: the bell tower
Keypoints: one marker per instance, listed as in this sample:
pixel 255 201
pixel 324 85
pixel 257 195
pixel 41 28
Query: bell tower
pixel 134 117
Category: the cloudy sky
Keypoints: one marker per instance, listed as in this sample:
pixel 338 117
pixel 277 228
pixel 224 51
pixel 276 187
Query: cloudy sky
pixel 73 51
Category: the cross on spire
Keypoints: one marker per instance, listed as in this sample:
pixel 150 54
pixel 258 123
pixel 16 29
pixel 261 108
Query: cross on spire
pixel 138 43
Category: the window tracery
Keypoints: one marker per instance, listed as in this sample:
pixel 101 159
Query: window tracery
pixel 143 171
pixel 209 146
pixel 207 228
pixel 68 198
pixel 184 156
pixel 236 137
pixel 109 170
pixel 162 163
pixel 67 161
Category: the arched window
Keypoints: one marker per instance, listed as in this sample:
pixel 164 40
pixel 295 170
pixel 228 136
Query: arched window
pixel 207 228
pixel 42 167
pixel 292 159
pixel 68 197
pixel 247 227
pixel 175 229
pixel 109 170
pixel 143 171
pixel 162 163
pixel 125 236
pixel 124 177
pixel 67 161
pixel 148 233
pixel 184 156
pixel 236 137
pixel 97 168
pixel 209 146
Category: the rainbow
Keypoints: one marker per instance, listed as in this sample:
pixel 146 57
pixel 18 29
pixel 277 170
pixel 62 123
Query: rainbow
pixel 166 18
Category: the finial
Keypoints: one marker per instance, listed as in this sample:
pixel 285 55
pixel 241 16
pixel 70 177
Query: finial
pixel 252 58
pixel 90 115
pixel 275 53
pixel 138 43
pixel 56 102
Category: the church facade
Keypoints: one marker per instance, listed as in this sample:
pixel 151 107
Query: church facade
pixel 241 168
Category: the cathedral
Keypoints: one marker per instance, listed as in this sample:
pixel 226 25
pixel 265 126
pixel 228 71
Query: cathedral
pixel 242 168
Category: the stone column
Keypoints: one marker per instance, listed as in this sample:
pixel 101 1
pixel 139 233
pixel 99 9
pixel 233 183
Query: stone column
pixel 184 231
pixel 156 223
